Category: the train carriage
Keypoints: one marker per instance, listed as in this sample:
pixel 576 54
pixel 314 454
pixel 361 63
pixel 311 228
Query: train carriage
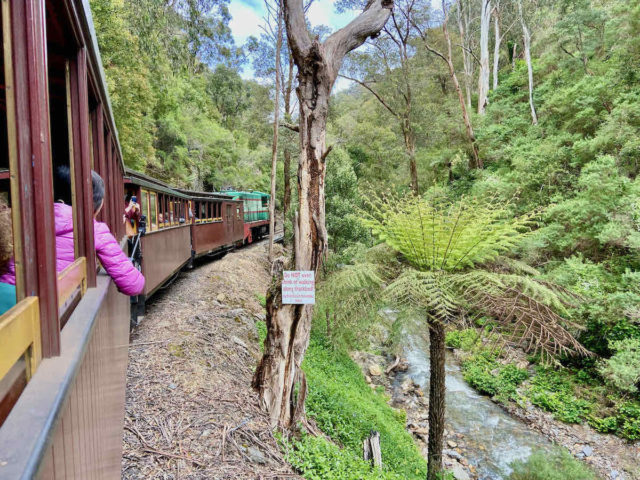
pixel 217 223
pixel 63 347
pixel 256 213
pixel 166 243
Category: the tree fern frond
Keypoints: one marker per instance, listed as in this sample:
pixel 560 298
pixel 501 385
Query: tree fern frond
pixel 431 292
pixel 437 235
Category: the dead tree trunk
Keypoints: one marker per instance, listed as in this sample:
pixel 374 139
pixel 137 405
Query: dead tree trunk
pixel 274 149
pixel 526 37
pixel 483 74
pixel 279 380
pixel 371 449
pixel 436 398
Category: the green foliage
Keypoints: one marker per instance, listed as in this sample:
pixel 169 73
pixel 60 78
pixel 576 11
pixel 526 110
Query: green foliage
pixel 437 234
pixel 347 409
pixel 484 373
pixel 555 465
pixel 262 332
pixel 464 339
pixel 182 110
pixel 316 458
pixel 553 391
pixel 622 370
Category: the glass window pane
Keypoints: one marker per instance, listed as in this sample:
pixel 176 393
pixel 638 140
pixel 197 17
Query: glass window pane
pixel 153 212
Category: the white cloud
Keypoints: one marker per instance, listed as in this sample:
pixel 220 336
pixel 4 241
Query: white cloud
pixel 245 21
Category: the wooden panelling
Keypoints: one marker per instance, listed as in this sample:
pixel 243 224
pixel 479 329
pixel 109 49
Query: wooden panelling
pixel 87 440
pixel 209 236
pixel 163 253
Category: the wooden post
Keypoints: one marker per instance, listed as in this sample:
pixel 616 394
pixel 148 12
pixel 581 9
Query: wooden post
pixel 371 447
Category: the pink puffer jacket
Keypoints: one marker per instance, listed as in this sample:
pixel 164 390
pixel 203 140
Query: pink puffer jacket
pixel 126 277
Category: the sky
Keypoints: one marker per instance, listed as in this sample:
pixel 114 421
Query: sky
pixel 248 15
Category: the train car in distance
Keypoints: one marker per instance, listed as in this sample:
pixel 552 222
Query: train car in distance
pixel 256 213
pixel 216 223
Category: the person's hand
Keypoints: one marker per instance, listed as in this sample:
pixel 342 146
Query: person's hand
pixel 124 219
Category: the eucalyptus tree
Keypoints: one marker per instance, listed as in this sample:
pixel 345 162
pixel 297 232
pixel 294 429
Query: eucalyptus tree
pixel 280 382
pixel 449 248
pixel 483 70
pixel 476 161
pixel 388 60
pixel 526 39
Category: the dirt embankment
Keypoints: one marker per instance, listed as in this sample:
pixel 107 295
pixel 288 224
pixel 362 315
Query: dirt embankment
pixel 190 410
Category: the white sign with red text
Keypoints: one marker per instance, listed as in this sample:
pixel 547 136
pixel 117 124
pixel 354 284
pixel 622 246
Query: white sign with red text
pixel 298 288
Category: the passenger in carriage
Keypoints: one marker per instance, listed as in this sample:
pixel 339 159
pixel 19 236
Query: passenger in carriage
pixel 117 265
pixel 7 290
pixel 132 215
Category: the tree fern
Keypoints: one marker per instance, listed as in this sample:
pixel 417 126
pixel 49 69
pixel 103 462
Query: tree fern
pixel 456 253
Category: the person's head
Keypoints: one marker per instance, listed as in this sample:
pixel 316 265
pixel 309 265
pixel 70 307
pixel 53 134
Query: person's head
pixel 62 184
pixel 98 192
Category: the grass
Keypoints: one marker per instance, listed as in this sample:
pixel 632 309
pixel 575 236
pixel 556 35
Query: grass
pixel 347 409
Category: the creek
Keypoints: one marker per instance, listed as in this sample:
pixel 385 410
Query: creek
pixel 492 438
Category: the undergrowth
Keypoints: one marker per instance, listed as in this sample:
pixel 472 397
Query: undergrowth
pixel 346 409
pixel 571 395
pixel 556 465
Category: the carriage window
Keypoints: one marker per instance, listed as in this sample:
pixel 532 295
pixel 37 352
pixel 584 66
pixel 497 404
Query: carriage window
pixel 144 203
pixel 153 212
pixel 238 213
pixel 265 201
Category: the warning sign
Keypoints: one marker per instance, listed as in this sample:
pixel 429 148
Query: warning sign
pixel 298 288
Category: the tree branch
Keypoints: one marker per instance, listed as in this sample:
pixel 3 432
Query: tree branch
pixel 297 32
pixel 354 34
pixel 373 92
pixel 290 126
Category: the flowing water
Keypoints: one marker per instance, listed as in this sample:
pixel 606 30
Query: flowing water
pixel 493 439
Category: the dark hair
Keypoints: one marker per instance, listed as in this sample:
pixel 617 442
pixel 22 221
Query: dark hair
pixel 98 190
pixel 62 186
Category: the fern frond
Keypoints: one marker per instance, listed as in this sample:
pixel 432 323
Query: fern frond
pixel 439 235
pixel 428 291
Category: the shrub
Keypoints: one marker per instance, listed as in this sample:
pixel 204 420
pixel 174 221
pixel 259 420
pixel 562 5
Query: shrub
pixel 556 465
pixel 316 458
pixel 622 370
pixel 463 339
pixel 486 375
pixel 552 391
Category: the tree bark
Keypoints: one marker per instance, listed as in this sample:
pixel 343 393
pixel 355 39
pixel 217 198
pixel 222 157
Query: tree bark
pixel 274 148
pixel 496 43
pixel 279 380
pixel 483 74
pixel 526 37
pixel 464 20
pixel 437 390
pixel 410 146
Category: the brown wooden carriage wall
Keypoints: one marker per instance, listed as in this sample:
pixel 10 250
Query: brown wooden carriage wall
pixel 217 223
pixel 166 246
pixel 67 421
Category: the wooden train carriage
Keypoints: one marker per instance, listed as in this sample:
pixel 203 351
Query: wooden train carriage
pixel 256 213
pixel 217 223
pixel 63 346
pixel 166 243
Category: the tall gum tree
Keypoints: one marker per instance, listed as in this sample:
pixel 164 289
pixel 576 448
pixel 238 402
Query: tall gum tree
pixel 279 379
pixel 389 57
